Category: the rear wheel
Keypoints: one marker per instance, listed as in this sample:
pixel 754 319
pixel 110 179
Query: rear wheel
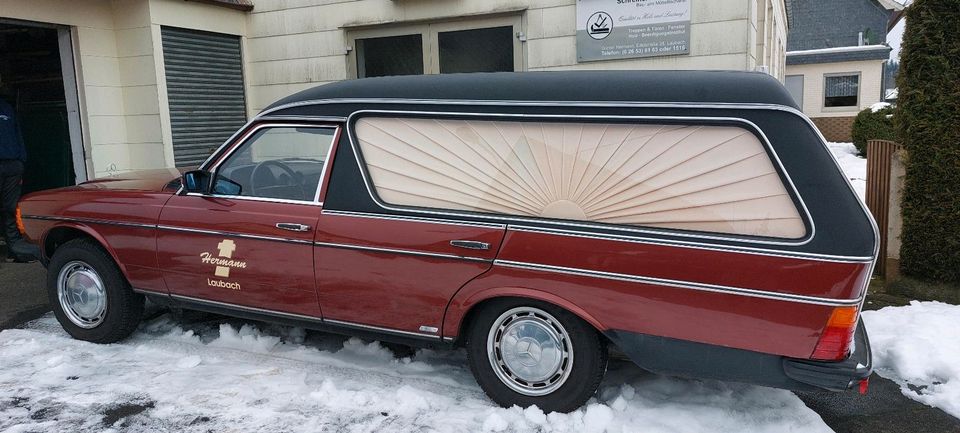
pixel 525 353
pixel 89 295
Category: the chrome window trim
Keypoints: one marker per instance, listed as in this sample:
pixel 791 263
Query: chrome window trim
pixel 260 118
pixel 400 251
pixel 413 219
pixel 234 235
pixel 248 135
pixel 260 199
pixel 598 104
pixel 804 212
pixel 731 290
pixel 692 245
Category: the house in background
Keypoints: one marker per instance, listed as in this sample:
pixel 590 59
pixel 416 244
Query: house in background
pixel 836 53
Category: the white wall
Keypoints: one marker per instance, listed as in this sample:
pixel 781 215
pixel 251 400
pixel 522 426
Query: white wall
pixel 871 79
pixel 297 44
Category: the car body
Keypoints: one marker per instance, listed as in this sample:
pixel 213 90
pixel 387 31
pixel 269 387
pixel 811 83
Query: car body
pixel 695 220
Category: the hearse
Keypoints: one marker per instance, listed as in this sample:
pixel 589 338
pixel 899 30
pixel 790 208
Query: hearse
pixel 694 221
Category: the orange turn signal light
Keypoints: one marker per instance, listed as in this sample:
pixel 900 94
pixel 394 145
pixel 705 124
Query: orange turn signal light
pixel 834 342
pixel 20 227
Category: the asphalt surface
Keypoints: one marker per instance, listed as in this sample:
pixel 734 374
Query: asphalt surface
pixel 884 409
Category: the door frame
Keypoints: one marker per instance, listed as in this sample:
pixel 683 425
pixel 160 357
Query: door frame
pixel 71 92
pixel 429 33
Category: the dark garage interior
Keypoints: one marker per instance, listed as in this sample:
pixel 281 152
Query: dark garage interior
pixel 30 67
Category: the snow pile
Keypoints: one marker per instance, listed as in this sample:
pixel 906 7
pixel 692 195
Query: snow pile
pixel 918 346
pixel 238 376
pixel 853 166
pixel 879 106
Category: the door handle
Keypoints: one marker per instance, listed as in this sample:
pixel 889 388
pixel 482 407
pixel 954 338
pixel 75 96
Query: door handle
pixel 470 245
pixel 293 227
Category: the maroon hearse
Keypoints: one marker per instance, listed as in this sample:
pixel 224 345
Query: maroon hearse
pixel 694 220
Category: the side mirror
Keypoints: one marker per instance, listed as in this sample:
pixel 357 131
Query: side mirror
pixel 224 186
pixel 196 181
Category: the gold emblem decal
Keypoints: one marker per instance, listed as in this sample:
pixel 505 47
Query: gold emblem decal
pixel 223 262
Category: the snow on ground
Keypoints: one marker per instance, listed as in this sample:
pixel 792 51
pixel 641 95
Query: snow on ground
pixel 918 346
pixel 853 166
pixel 228 375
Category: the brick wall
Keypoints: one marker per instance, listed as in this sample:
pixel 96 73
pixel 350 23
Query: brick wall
pixel 835 128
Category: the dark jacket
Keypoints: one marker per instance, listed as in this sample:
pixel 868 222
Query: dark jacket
pixel 11 141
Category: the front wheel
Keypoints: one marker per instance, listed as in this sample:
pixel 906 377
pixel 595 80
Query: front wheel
pixel 525 353
pixel 89 295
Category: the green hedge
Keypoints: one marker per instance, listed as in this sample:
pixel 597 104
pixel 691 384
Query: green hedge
pixel 928 122
pixel 873 126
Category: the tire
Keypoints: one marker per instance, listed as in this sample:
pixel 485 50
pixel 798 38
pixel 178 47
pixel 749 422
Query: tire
pixel 511 349
pixel 98 304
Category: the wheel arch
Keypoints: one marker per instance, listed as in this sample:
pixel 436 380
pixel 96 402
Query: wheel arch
pixel 60 234
pixel 461 309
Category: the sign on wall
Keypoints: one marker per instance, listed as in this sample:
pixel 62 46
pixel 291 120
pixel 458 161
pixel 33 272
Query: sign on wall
pixel 622 29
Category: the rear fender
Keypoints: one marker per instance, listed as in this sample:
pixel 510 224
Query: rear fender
pixel 465 300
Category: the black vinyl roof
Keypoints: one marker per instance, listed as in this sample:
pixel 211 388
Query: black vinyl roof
pixel 575 86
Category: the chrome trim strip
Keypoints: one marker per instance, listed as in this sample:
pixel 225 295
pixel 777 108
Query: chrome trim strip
pixel 314 319
pixel 235 235
pixel 740 291
pixel 149 292
pixel 413 219
pixel 528 103
pixel 279 123
pixel 398 251
pixel 260 199
pixel 748 125
pixel 245 308
pixel 90 221
pixel 692 245
pixel 380 329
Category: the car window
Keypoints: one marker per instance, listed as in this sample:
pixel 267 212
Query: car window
pixel 277 163
pixel 705 178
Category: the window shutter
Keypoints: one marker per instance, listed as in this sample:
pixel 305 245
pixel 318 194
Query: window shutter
pixel 204 77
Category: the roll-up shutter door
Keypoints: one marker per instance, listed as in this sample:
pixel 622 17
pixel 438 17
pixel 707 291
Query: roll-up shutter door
pixel 205 91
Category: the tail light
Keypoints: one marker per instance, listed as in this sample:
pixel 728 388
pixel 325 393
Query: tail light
pixel 834 343
pixel 20 227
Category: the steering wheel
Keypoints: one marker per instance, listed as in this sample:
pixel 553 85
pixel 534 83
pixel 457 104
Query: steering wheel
pixel 262 190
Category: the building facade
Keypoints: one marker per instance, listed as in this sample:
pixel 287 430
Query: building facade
pixel 836 52
pixel 158 83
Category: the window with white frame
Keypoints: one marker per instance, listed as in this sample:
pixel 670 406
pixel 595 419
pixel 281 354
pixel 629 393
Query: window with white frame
pixel 841 90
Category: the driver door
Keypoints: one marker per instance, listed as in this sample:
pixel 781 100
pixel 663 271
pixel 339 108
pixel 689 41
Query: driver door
pixel 249 241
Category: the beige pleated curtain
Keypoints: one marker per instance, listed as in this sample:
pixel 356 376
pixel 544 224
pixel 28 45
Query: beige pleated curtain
pixel 703 178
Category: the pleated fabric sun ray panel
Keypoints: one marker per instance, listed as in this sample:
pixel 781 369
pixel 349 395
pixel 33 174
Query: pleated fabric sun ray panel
pixel 690 177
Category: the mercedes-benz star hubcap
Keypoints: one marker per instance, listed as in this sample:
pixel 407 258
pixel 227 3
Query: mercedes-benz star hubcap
pixel 82 294
pixel 530 351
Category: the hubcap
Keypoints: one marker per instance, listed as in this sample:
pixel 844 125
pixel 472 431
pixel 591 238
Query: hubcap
pixel 82 295
pixel 530 351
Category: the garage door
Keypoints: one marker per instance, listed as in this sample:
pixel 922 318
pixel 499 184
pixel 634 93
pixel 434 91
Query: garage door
pixel 205 91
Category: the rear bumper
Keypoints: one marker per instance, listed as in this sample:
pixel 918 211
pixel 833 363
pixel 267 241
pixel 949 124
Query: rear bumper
pixel 835 376
pixel 704 361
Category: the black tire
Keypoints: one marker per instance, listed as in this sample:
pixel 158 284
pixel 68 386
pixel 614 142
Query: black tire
pixel 124 308
pixel 588 366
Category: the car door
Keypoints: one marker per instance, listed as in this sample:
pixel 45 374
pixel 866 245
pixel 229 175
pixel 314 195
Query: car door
pixel 249 241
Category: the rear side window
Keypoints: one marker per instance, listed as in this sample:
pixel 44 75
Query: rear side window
pixel 691 177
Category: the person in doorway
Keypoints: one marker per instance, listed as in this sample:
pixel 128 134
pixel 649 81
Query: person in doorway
pixel 13 154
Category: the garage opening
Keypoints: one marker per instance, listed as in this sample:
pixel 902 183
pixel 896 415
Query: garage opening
pixel 43 94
